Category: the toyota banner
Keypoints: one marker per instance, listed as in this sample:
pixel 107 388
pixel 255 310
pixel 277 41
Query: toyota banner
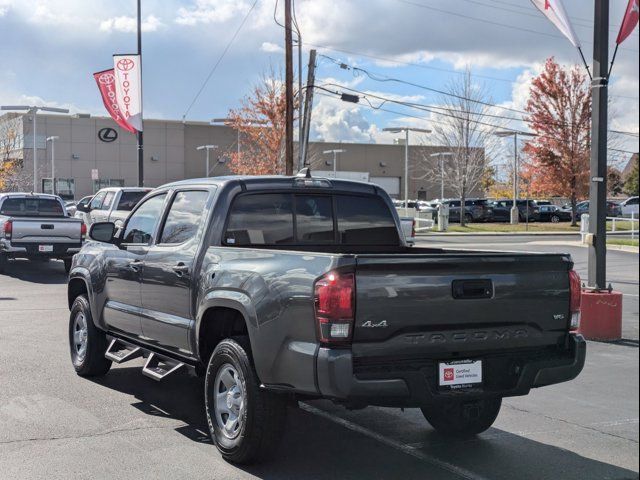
pixel 106 81
pixel 128 76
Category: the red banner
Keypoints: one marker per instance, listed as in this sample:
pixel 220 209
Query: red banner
pixel 106 81
pixel 629 21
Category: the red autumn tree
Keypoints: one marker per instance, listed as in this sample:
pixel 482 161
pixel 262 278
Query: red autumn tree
pixel 260 123
pixel 559 109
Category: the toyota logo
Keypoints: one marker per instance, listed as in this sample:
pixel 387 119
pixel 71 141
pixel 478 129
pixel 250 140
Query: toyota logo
pixel 125 64
pixel 107 135
pixel 106 79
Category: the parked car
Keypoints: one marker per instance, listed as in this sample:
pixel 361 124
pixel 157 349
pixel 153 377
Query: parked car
pixel 476 210
pixel 251 281
pixel 629 206
pixel 540 203
pixel 528 210
pixel 113 204
pixel 36 227
pixel 613 209
pixel 553 214
pixel 408 225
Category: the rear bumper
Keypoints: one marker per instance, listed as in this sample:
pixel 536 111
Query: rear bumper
pixel 414 384
pixel 29 250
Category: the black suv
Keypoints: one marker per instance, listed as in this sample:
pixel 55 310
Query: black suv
pixel 476 210
pixel 528 210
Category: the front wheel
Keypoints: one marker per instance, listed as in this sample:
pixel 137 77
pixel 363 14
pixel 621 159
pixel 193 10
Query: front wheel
pixel 87 343
pixel 245 421
pixel 463 419
pixel 555 219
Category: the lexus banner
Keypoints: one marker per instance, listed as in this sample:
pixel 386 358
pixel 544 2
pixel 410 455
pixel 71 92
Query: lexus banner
pixel 129 88
pixel 106 81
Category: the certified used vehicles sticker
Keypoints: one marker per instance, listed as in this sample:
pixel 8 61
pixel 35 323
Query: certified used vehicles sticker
pixel 460 373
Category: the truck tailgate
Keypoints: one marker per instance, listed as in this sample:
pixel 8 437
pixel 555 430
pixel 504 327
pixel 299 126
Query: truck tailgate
pixel 46 230
pixel 455 303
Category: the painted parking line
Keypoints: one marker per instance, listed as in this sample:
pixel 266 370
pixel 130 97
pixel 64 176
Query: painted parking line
pixel 409 450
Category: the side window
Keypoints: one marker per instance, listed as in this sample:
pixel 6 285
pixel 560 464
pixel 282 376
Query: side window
pixel 142 222
pixel 454 203
pixel 108 200
pixel 184 217
pixel 261 219
pixel 314 219
pixel 365 221
pixel 633 201
pixel 96 202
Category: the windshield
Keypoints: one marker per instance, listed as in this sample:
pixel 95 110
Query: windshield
pixel 32 207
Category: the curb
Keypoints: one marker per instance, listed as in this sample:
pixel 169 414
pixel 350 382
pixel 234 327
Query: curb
pixel 498 234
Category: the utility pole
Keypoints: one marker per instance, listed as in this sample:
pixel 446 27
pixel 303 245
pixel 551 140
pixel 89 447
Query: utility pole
pixel 308 106
pixel 598 166
pixel 53 139
pixel 139 138
pixel 288 40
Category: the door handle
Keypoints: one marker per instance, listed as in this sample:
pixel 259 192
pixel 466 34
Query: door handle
pixel 135 265
pixel 180 269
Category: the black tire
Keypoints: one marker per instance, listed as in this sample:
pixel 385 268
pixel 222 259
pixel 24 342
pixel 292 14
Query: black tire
pixel 555 219
pixel 90 362
pixel 67 265
pixel 3 262
pixel 463 419
pixel 261 414
pixel 468 218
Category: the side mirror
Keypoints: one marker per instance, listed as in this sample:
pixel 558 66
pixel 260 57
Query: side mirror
pixel 83 208
pixel 102 232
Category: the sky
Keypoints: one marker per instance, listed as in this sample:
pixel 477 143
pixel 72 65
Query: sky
pixel 49 50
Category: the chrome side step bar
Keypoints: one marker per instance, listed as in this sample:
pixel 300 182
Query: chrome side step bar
pixel 159 367
pixel 120 351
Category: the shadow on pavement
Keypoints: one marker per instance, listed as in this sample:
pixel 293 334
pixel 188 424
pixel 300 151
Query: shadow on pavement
pixel 39 271
pixel 314 447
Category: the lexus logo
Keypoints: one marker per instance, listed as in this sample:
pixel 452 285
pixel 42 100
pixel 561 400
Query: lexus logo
pixel 106 79
pixel 125 64
pixel 107 135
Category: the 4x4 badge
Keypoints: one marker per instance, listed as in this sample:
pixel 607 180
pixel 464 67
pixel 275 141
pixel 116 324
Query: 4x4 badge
pixel 370 324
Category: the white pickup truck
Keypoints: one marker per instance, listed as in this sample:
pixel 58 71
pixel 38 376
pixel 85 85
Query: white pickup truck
pixel 36 226
pixel 111 204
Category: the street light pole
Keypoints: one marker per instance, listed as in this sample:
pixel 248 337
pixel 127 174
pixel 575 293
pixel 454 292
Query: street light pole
pixel 441 155
pixel 53 161
pixel 335 159
pixel 515 213
pixel 34 110
pixel 206 148
pixel 406 130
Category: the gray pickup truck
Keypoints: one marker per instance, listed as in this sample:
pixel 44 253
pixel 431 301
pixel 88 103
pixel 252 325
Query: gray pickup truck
pixel 278 289
pixel 36 227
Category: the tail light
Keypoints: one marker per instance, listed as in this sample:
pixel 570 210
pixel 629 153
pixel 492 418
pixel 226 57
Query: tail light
pixel 8 229
pixel 334 306
pixel 413 229
pixel 83 231
pixel 575 298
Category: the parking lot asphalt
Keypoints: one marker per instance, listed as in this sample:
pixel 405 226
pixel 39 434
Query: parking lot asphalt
pixel 56 425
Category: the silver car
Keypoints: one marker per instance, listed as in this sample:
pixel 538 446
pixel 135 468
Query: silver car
pixel 111 204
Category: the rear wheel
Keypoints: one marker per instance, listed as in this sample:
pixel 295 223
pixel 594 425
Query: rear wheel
pixel 3 262
pixel 463 419
pixel 555 219
pixel 245 421
pixel 87 343
pixel 468 218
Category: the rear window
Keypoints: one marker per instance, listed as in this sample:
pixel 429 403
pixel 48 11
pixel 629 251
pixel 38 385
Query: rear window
pixel 32 207
pixel 269 219
pixel 128 200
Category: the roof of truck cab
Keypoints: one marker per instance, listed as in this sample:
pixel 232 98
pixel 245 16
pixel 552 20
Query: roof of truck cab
pixel 268 180
pixel 29 194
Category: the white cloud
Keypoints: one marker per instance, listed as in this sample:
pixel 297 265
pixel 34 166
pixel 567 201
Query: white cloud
pixel 271 47
pixel 211 11
pixel 5 6
pixel 129 24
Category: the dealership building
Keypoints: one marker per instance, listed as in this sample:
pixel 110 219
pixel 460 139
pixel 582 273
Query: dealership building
pixel 90 153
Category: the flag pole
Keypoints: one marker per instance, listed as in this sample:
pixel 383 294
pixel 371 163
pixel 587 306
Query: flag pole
pixel 586 65
pixel 139 134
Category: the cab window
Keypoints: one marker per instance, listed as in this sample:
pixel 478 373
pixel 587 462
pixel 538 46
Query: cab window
pixel 142 223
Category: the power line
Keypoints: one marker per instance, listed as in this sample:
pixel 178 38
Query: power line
pixel 491 22
pixel 427 67
pixel 377 77
pixel 215 66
